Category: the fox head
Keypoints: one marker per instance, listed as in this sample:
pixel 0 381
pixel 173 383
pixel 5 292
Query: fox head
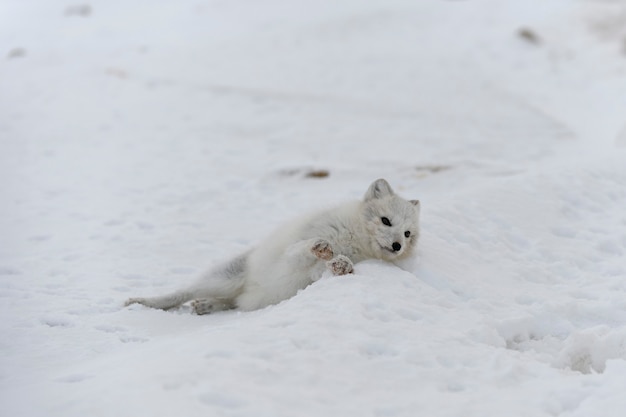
pixel 391 222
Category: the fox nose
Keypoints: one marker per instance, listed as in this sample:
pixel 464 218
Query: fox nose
pixel 396 246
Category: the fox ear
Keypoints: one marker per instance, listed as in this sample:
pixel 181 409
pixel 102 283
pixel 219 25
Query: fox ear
pixel 379 189
pixel 415 202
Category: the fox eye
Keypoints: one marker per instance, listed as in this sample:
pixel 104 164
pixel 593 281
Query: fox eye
pixel 407 234
pixel 385 221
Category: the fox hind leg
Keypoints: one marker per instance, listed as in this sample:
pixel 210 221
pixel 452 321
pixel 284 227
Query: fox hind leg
pixel 221 284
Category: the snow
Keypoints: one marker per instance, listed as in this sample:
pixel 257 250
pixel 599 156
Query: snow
pixel 144 141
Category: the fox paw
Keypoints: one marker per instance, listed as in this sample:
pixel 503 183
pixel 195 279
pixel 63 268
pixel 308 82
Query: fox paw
pixel 203 306
pixel 322 250
pixel 208 306
pixel 340 265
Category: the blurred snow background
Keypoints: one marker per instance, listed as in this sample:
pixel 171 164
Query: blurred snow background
pixel 143 141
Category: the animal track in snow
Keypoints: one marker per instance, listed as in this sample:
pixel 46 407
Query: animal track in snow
pixel 57 320
pixel 7 270
pixel 110 329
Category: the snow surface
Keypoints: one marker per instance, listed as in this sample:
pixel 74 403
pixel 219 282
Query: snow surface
pixel 144 141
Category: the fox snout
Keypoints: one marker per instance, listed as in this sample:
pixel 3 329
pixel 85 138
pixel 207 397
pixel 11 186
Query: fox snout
pixel 396 246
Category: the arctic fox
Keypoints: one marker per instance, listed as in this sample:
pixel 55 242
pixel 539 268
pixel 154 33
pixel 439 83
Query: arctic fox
pixel 381 226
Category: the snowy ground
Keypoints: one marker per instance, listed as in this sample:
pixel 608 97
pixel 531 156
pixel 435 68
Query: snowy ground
pixel 143 141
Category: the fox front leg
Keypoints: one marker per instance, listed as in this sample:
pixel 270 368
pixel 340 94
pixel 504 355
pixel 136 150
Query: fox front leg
pixel 322 249
pixel 340 265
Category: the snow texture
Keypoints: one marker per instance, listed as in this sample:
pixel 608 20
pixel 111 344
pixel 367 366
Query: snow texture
pixel 144 141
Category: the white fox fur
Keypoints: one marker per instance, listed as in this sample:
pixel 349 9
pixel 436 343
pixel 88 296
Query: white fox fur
pixel 381 226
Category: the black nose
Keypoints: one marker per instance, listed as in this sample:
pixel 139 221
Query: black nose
pixel 396 246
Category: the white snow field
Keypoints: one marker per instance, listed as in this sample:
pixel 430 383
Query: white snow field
pixel 144 141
